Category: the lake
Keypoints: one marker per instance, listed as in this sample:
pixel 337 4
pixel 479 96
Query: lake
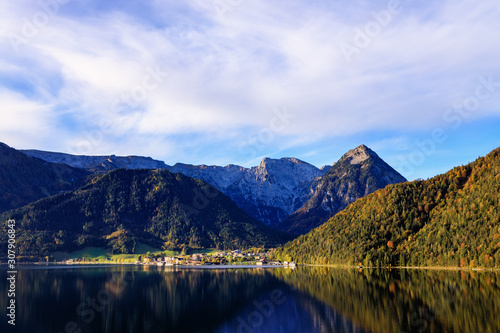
pixel 305 299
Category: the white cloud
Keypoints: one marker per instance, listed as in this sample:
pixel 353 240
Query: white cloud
pixel 227 73
pixel 23 121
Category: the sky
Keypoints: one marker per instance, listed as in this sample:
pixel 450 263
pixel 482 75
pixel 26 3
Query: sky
pixel 222 82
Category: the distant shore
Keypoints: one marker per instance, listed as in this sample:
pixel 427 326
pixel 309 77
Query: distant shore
pixel 114 264
pixel 406 267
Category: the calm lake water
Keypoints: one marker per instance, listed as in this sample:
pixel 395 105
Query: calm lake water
pixel 306 299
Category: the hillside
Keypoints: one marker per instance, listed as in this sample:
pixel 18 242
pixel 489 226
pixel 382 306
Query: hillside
pixel 24 179
pixel 122 207
pixel 450 220
pixel 358 173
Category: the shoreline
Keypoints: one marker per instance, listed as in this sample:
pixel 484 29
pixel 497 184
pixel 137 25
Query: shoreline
pixel 107 265
pixel 114 264
pixel 451 268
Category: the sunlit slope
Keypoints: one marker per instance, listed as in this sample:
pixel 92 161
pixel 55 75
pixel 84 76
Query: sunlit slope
pixel 449 220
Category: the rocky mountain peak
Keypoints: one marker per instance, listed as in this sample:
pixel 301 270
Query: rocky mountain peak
pixel 358 173
pixel 325 168
pixel 271 191
pixel 358 155
pixel 265 161
pixel 272 163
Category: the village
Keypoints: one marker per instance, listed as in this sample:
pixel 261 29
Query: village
pixel 218 258
pixel 234 257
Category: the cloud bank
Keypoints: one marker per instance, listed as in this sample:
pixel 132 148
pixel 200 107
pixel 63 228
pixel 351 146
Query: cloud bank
pixel 205 78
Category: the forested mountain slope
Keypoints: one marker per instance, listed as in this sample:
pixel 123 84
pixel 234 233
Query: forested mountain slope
pixel 358 173
pixel 122 207
pixel 450 220
pixel 24 179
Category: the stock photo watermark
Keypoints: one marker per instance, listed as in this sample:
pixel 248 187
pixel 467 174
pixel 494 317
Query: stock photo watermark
pixel 263 310
pixel 364 36
pixel 201 200
pixel 256 142
pixel 223 7
pixel 122 104
pixel 90 306
pixel 31 27
pixel 132 100
pixel 454 116
pixel 11 273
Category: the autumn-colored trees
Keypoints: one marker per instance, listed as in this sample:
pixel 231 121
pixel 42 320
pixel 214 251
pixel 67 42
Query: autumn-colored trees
pixel 450 220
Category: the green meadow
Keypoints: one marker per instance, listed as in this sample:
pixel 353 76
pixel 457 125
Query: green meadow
pixel 102 254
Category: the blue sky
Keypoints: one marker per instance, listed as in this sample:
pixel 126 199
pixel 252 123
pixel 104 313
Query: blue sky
pixel 233 81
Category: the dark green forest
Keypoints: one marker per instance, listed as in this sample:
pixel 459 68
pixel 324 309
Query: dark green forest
pixel 24 179
pixel 118 209
pixel 449 220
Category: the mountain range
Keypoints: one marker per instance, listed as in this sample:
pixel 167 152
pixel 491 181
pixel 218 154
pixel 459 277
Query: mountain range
pixel 373 216
pixel 99 164
pixel 358 173
pixel 287 194
pixel 273 190
pixel 269 192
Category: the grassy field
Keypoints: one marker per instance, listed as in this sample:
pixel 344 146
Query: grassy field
pixel 205 251
pixel 102 254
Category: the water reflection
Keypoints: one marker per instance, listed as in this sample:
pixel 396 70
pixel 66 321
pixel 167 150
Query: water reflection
pixel 307 299
pixel 405 300
pixel 287 310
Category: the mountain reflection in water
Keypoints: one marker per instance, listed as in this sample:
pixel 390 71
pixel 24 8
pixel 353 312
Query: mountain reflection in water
pixel 307 299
